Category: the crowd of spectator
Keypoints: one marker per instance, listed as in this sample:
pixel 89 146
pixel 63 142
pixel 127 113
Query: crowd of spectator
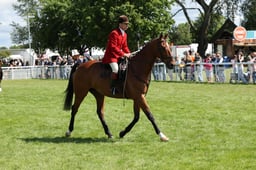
pixel 191 67
pixel 57 64
pixel 54 65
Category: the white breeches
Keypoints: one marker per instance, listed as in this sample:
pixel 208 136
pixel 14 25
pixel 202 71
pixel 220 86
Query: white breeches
pixel 114 67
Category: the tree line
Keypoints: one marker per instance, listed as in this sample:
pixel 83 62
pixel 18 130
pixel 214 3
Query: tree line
pixel 81 24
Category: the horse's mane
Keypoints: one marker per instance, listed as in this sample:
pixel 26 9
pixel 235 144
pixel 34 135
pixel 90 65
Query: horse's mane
pixel 140 55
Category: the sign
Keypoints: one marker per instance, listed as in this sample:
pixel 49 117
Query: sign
pixel 240 33
pixel 251 34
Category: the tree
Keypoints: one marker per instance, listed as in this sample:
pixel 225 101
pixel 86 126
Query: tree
pixel 180 35
pixel 66 24
pixel 249 13
pixel 19 35
pixel 4 53
pixel 26 9
pixel 214 25
pixel 207 10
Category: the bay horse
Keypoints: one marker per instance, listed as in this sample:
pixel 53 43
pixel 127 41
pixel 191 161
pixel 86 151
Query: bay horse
pixel 94 77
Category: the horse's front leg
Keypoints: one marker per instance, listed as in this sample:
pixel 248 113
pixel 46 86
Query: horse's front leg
pixel 103 122
pixel 144 106
pixel 100 111
pixel 136 111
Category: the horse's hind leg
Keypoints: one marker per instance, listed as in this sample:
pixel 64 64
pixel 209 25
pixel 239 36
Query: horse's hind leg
pixel 71 123
pixel 136 110
pixel 100 111
pixel 150 117
pixel 78 99
pixel 142 103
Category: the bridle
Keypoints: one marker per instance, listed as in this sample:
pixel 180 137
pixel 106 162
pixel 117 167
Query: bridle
pixel 162 47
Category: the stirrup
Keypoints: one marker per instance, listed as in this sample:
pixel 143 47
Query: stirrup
pixel 113 90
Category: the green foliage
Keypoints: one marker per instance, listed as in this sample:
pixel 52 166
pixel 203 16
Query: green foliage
pixel 19 46
pixel 3 48
pixel 227 8
pixel 51 26
pixel 19 34
pixel 4 53
pixel 248 10
pixel 83 24
pixel 215 24
pixel 181 34
pixel 210 126
pixel 210 12
pixel 26 7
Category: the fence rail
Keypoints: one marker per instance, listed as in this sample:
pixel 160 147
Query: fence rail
pixel 222 72
pixel 36 72
pixel 228 72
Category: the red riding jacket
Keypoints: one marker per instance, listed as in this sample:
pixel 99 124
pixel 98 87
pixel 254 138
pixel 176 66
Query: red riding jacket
pixel 116 46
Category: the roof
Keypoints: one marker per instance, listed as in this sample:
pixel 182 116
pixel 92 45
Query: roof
pixel 225 32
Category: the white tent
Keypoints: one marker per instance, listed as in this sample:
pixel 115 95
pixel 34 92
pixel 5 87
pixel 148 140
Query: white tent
pixel 17 57
pixel 50 54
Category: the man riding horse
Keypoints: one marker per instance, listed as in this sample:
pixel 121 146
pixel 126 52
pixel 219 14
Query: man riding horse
pixel 116 48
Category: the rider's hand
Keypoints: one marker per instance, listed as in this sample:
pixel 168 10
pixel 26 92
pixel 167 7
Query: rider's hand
pixel 127 55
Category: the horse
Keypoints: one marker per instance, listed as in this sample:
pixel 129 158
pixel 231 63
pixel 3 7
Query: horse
pixel 94 77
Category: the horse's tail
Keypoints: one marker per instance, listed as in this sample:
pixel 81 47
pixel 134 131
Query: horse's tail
pixel 69 90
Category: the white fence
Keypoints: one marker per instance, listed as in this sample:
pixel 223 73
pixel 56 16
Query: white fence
pixel 36 72
pixel 159 72
pixel 221 72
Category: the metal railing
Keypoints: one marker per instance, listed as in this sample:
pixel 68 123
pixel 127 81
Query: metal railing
pixel 228 72
pixel 222 73
pixel 36 72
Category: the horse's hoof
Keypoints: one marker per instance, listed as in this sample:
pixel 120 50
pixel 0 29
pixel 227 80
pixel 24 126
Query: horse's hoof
pixel 163 138
pixel 68 134
pixel 110 136
pixel 121 134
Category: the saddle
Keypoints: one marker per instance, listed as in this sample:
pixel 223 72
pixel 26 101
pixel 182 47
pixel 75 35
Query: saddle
pixel 122 67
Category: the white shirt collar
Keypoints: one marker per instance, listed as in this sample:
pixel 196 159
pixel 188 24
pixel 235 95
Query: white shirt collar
pixel 122 31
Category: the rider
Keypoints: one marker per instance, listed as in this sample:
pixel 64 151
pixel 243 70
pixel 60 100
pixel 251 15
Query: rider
pixel 116 48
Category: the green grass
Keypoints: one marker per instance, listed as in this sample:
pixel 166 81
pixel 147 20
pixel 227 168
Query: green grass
pixel 210 126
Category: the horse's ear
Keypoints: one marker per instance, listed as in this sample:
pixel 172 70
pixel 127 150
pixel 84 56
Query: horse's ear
pixel 161 36
pixel 166 36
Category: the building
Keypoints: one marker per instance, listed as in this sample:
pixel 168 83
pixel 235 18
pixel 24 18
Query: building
pixel 225 42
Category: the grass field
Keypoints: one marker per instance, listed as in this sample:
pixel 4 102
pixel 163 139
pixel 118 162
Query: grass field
pixel 210 126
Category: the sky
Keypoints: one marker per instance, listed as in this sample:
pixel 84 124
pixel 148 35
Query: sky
pixel 7 15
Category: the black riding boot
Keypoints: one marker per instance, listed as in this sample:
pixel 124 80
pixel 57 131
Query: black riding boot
pixel 114 80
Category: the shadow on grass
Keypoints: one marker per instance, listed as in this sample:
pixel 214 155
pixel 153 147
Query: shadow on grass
pixel 67 140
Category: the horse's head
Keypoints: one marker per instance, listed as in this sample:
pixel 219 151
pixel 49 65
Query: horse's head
pixel 165 51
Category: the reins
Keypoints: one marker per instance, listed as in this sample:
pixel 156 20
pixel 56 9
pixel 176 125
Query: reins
pixel 126 74
pixel 127 68
pixel 134 53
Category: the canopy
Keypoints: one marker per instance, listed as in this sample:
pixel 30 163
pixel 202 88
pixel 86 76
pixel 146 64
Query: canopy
pixel 16 57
